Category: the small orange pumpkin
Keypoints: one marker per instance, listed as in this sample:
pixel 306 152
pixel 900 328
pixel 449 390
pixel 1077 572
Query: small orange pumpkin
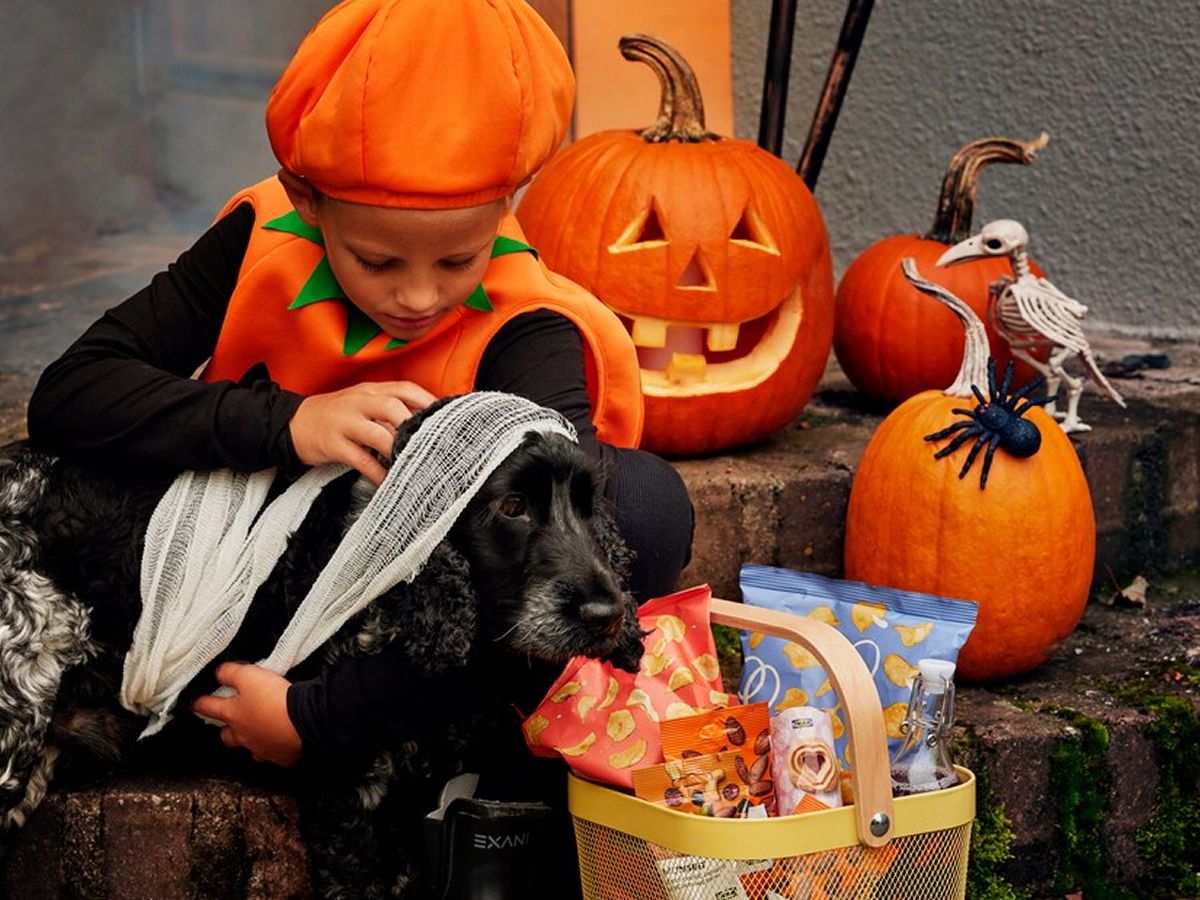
pixel 1023 548
pixel 892 342
pixel 712 251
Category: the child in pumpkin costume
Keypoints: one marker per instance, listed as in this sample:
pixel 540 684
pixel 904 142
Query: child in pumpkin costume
pixel 378 271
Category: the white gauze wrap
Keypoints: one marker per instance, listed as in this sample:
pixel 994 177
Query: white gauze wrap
pixel 204 560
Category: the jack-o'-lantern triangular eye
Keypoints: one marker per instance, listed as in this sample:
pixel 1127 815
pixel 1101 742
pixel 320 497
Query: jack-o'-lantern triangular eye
pixel 643 232
pixel 697 276
pixel 750 231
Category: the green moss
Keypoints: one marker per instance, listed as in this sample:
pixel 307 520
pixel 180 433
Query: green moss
pixel 1170 842
pixel 1077 779
pixel 991 832
pixel 729 643
pixel 729 655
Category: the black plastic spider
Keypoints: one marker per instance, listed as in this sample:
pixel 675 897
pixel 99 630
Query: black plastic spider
pixel 996 422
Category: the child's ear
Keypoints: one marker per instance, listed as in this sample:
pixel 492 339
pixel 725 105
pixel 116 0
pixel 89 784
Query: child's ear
pixel 303 196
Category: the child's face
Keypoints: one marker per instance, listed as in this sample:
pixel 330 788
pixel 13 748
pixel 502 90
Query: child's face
pixel 407 268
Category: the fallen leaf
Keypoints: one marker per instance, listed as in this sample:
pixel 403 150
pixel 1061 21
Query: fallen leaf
pixel 1135 593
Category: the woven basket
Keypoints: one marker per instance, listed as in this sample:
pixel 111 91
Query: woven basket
pixel 910 848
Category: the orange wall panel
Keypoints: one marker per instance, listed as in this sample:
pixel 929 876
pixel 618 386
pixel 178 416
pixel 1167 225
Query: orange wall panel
pixel 613 92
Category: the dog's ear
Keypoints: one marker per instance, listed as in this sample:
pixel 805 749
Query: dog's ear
pixel 434 617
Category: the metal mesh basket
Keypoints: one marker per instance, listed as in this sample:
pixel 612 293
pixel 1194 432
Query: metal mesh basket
pixel 910 848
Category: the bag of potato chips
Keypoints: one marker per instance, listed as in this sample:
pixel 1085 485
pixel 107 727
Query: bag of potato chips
pixel 891 629
pixel 604 721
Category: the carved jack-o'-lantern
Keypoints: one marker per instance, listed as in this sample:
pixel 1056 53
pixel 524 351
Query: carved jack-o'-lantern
pixel 712 251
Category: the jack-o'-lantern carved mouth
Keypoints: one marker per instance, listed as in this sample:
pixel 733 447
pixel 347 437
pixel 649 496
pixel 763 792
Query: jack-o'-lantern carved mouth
pixel 693 358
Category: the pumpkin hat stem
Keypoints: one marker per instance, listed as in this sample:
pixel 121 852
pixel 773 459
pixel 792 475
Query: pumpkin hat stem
pixel 973 370
pixel 681 109
pixel 956 203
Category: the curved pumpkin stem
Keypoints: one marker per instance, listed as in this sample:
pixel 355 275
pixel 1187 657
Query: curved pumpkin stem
pixel 681 109
pixel 973 370
pixel 956 203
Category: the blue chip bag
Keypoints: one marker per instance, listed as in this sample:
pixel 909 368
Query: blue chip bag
pixel 890 628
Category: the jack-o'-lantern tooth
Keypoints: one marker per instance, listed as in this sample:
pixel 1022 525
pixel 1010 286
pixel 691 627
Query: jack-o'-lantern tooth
pixel 723 336
pixel 686 368
pixel 649 332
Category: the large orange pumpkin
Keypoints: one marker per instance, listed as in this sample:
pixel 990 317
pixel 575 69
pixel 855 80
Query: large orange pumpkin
pixel 1023 548
pixel 711 250
pixel 889 339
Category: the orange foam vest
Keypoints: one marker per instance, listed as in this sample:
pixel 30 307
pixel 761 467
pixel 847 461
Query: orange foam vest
pixel 307 349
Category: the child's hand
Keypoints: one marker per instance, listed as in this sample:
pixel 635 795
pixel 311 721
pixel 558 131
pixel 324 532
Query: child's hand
pixel 345 426
pixel 257 717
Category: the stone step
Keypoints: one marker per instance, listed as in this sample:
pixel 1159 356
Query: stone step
pixel 1089 780
pixel 1090 767
pixel 783 501
pixel 141 837
pixel 1089 770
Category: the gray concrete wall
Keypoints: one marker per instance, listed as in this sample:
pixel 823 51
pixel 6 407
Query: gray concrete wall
pixel 1111 204
pixel 133 114
pixel 73 128
pixel 111 115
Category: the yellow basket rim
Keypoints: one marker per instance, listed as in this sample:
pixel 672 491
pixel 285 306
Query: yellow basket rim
pixel 830 829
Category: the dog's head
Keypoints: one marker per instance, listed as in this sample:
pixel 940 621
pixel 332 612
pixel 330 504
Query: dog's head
pixel 545 557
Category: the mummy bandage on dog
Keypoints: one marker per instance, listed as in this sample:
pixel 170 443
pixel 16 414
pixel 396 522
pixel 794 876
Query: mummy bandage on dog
pixel 204 559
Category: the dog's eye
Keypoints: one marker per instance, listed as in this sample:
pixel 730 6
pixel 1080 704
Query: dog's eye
pixel 513 506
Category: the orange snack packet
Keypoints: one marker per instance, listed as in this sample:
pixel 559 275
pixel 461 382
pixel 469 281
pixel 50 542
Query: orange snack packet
pixel 698 785
pixel 604 722
pixel 844 872
pixel 744 730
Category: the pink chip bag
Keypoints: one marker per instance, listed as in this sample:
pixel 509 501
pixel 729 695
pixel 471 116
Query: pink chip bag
pixel 605 722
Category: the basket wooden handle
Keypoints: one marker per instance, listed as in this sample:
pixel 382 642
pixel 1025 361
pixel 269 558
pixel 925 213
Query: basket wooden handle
pixel 871 775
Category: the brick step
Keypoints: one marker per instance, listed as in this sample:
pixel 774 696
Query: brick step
pixel 1092 759
pixel 783 501
pixel 141 837
pixel 1089 778
pixel 1090 766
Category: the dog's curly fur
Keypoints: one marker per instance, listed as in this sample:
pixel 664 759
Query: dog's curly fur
pixel 533 570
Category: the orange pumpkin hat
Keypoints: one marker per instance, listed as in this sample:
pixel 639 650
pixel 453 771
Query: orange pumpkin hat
pixel 423 104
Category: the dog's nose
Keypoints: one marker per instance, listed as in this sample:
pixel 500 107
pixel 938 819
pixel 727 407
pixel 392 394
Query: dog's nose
pixel 601 615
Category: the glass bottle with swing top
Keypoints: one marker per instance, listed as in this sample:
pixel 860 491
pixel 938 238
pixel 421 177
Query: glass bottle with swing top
pixel 922 763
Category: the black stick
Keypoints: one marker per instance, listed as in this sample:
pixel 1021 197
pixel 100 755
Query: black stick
pixel 775 80
pixel 854 26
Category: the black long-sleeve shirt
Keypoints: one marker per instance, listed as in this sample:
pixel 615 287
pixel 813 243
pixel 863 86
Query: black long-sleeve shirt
pixel 123 394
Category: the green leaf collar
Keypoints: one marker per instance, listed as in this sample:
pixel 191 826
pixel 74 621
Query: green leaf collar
pixel 322 285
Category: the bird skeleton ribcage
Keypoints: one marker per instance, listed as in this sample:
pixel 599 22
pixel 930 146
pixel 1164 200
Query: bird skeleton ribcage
pixel 1031 312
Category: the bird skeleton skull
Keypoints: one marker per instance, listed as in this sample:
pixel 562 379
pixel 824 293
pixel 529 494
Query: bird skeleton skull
pixel 1002 237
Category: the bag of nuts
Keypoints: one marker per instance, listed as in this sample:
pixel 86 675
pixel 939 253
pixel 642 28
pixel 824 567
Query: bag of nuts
pixel 699 785
pixel 745 730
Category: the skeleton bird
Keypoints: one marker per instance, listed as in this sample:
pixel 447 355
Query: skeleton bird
pixel 1030 312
